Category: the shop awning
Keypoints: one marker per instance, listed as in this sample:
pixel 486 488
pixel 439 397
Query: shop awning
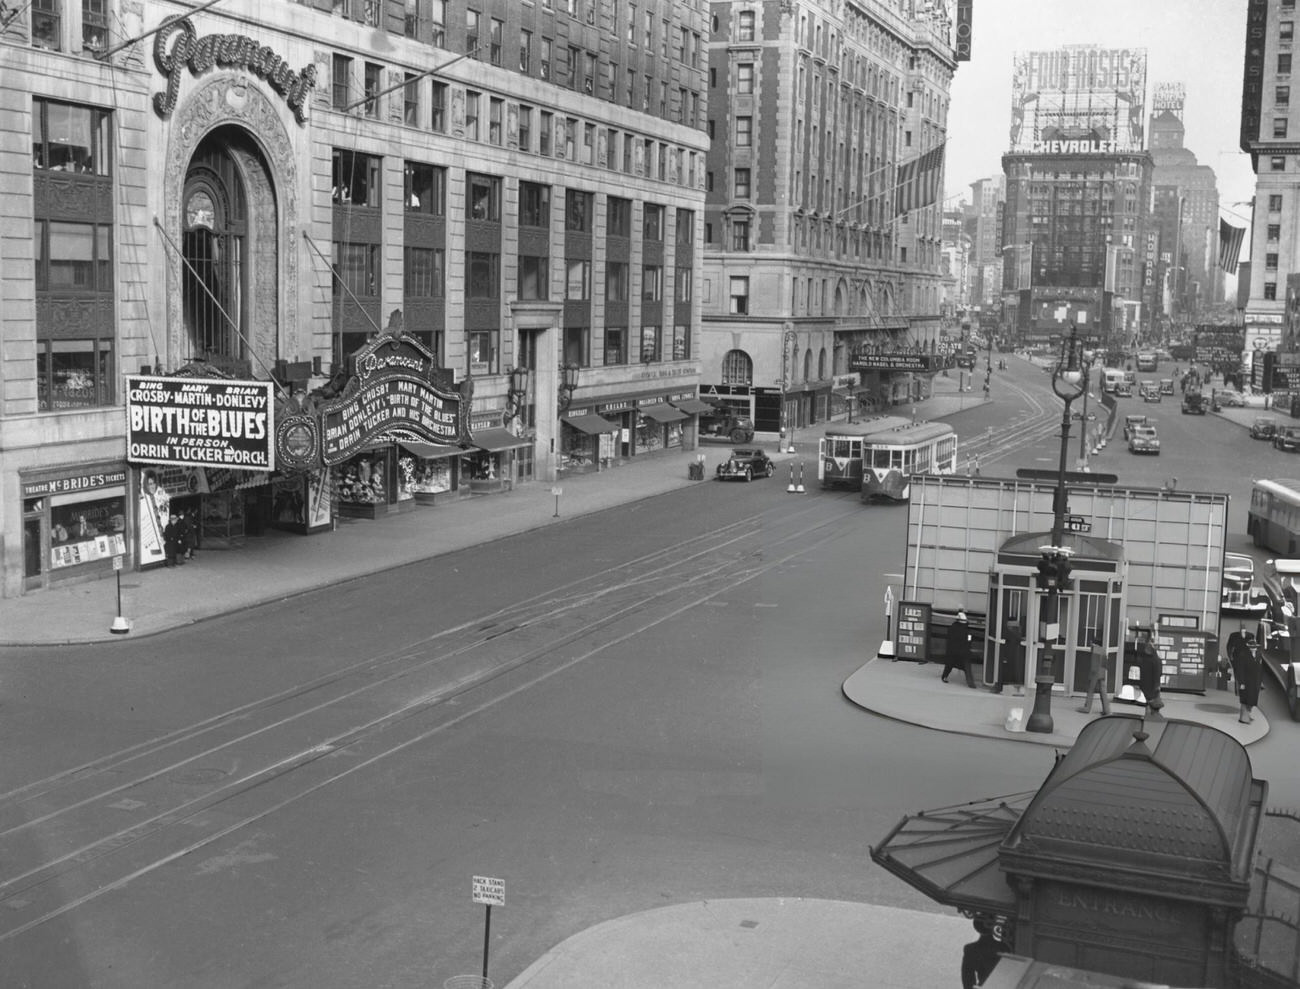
pixel 592 424
pixel 431 451
pixel 496 439
pixel 951 854
pixel 693 406
pixel 662 413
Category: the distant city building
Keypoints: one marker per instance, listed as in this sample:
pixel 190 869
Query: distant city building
pixel 1078 179
pixel 1270 133
pixel 1186 213
pixel 811 248
pixel 984 228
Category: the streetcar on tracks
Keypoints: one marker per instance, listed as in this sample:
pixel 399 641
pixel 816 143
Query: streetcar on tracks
pixel 878 458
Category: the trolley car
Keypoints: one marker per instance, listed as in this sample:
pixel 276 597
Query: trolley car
pixel 839 454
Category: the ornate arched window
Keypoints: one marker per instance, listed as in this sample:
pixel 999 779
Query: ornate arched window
pixel 214 226
pixel 737 368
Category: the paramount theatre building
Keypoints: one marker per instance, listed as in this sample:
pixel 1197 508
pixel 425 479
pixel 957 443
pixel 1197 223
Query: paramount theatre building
pixel 281 264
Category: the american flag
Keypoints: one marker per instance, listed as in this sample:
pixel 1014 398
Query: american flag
pixel 1230 239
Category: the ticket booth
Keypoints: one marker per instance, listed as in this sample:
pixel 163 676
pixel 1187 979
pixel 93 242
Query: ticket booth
pixel 1134 858
pixel 1094 605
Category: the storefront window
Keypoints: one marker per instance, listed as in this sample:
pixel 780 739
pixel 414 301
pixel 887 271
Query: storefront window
pixel 417 476
pixel 362 480
pixel 577 449
pixel 82 531
pixel 649 435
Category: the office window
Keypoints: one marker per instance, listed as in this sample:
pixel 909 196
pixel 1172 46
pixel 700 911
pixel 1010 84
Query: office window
pixel 496 111
pixel 438 121
pixel 652 224
pixel 472 19
pixel 588 73
pixel 1274 231
pixel 525 127
pixel 426 189
pixel 575 67
pixel 570 139
pixel 483 201
pixel 357 267
pixel 544 133
pixel 617 278
pixel 631 87
pixel 618 217
pixel 652 283
pixel 534 278
pixel 645 93
pixel 1270 261
pixel 589 144
pixel 681 342
pixel 577 279
pixel 534 205
pixel 372 87
pixel 496 30
pixel 739 295
pixel 1270 290
pixel 577 211
pixel 685 227
pixel 1277 163
pixel 745 26
pixel 737 368
pixel 411 100
pixel 482 350
pixel 742 183
pixel 471 114
pixel 525 51
pixel 482 275
pixel 616 345
pixel 47 24
pixel 1275 203
pixel 74 258
pixel 1284 64
pixel 740 235
pixel 682 284
pixel 745 77
pixel 1282 95
pixel 545 66
pixel 423 273
pixel 94 25
pixel 631 24
pixel 438 23
pixel 1279 126
pixel 74 374
pixel 67 138
pixel 342 75
pixel 651 344
pixel 577 348
pixel 1286 30
pixel 356 178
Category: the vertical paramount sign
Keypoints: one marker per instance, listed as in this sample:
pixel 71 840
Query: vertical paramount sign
pixel 200 422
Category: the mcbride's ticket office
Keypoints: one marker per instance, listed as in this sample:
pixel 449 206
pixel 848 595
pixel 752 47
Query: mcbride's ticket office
pixel 74 521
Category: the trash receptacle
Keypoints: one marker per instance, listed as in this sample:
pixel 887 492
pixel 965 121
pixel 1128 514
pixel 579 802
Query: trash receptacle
pixel 1016 708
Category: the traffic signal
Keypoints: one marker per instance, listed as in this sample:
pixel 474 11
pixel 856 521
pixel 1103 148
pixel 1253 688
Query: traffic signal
pixel 1046 574
pixel 1063 579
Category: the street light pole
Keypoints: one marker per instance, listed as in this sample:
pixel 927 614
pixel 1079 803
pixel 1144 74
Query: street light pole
pixel 1069 381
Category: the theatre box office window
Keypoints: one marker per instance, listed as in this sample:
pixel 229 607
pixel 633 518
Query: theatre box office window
pixel 74 521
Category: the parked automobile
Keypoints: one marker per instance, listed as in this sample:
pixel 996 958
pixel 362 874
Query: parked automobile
pixel 1193 402
pixel 1166 386
pixel 1263 428
pixel 1287 439
pixel 1150 391
pixel 1241 595
pixel 724 424
pixel 1132 420
pixel 1230 399
pixel 1144 439
pixel 745 464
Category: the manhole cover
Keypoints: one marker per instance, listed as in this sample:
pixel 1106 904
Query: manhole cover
pixel 199 777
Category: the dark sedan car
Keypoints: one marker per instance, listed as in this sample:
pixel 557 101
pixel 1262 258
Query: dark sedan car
pixel 745 464
pixel 1287 439
pixel 1263 428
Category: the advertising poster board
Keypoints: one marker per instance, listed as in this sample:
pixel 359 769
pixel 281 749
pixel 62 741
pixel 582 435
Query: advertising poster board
pixel 912 639
pixel 1078 99
pixel 195 422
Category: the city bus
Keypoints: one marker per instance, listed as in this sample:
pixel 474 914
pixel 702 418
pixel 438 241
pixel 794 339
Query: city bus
pixel 1273 519
pixel 891 456
pixel 839 453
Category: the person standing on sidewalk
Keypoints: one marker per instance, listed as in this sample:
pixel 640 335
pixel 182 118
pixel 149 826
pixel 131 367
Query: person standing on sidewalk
pixel 1096 677
pixel 1247 667
pixel 958 649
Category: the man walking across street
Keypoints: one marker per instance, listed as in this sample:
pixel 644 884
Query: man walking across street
pixel 958 651
pixel 1096 677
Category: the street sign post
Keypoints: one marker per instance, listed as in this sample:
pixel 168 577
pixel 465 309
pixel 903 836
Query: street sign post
pixel 120 625
pixel 1077 523
pixel 490 892
pixel 887 647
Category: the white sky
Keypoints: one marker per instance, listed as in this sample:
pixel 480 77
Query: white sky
pixel 1200 43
